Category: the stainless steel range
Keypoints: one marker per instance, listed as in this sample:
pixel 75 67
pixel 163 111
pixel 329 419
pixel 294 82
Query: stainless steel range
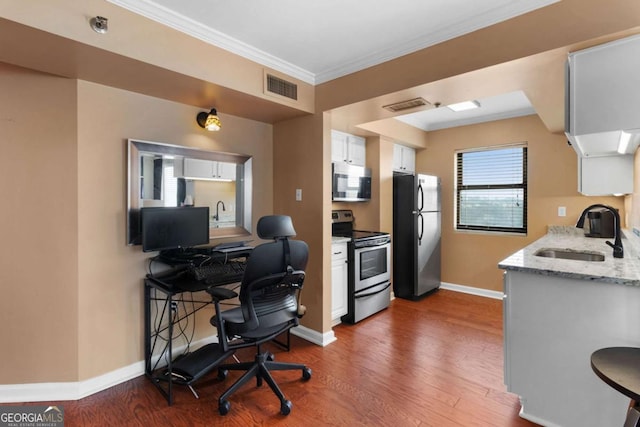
pixel 369 257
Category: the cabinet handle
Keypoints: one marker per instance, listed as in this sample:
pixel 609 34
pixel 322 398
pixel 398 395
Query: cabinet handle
pixel 337 253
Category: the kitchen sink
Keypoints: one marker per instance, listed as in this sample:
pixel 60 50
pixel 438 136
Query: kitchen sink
pixel 570 254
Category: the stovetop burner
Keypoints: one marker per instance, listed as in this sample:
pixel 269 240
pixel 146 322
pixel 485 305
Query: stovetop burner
pixel 342 225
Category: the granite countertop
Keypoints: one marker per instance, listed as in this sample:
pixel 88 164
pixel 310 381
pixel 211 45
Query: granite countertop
pixel 337 239
pixel 623 271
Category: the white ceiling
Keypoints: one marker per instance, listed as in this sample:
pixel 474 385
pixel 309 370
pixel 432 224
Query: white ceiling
pixel 317 41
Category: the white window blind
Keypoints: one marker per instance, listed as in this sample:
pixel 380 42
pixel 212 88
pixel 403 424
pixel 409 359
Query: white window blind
pixel 491 189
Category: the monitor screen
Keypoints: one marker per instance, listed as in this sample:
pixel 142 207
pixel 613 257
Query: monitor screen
pixel 174 227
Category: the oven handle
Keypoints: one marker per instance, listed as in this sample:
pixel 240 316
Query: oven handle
pixel 368 294
pixel 373 247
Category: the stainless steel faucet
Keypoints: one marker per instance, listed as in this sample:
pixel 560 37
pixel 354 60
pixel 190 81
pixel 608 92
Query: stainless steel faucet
pixel 618 251
pixel 217 215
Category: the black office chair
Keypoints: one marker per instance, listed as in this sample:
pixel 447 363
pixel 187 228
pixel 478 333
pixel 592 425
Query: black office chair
pixel 269 306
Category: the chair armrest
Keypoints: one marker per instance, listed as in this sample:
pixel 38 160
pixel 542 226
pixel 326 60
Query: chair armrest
pixel 221 294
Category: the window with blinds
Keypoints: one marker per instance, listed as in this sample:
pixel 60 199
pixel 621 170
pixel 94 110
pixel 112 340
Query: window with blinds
pixel 491 189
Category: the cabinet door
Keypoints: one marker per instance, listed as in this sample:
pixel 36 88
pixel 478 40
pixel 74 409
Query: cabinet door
pixel 339 277
pixel 226 171
pixel 595 176
pixel 409 159
pixel 404 159
pixel 356 150
pixel 604 87
pixel 338 146
pixel 397 157
pixel 197 168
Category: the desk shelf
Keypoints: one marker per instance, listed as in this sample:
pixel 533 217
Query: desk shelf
pixel 167 292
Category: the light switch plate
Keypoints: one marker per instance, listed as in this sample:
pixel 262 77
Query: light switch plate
pixel 562 211
pixel 298 194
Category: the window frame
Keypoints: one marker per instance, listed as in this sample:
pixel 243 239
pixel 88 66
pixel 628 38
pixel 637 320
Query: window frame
pixel 459 188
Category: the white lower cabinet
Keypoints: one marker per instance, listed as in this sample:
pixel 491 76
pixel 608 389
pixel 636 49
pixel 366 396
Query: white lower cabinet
pixel 551 326
pixel 339 279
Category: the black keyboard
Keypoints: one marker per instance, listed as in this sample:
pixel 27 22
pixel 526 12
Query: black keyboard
pixel 216 274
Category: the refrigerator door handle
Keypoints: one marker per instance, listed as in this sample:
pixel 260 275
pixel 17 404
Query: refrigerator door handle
pixel 421 218
pixel 421 198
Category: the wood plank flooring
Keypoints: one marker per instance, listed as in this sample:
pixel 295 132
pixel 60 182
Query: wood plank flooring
pixel 435 362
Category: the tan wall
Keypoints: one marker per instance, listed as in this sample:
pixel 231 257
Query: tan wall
pixel 471 258
pixel 302 161
pixel 38 219
pixel 73 288
pixel 110 288
pixel 632 201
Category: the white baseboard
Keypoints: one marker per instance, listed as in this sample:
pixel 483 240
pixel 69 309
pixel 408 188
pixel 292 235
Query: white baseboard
pixel 62 391
pixel 313 336
pixel 39 392
pixel 471 290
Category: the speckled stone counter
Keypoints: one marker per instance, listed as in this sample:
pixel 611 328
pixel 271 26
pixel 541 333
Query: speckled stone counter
pixel 337 239
pixel 625 271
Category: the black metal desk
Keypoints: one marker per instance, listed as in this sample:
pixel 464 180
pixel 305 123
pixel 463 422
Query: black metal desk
pixel 187 369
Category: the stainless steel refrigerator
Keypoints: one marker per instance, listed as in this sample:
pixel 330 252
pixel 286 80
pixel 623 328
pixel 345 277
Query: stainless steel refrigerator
pixel 416 235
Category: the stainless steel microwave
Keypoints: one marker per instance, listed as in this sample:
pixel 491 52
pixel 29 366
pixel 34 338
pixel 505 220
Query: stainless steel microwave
pixel 350 183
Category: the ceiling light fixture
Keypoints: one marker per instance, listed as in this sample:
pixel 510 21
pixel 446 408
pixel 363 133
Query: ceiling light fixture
pixel 463 106
pixel 210 121
pixel 99 24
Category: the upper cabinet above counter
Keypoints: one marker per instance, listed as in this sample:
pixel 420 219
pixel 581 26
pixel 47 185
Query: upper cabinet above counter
pixel 205 169
pixel 404 159
pixel 348 148
pixel 602 100
pixel 603 97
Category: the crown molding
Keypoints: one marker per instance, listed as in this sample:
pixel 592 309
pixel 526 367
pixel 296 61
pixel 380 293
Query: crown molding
pixel 478 22
pixel 172 19
pixel 200 31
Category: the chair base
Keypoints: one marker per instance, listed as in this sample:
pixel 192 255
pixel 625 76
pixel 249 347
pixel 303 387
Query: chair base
pixel 260 369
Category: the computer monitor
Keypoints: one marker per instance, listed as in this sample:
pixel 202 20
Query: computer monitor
pixel 166 228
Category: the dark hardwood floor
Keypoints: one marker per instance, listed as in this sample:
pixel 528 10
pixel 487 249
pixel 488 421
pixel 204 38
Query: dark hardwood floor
pixel 435 362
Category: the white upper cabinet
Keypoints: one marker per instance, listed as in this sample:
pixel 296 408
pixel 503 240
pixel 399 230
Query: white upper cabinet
pixel 348 148
pixel 226 170
pixel 404 159
pixel 208 169
pixel 605 175
pixel 603 97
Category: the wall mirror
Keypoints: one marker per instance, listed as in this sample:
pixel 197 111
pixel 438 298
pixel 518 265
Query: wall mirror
pixel 172 175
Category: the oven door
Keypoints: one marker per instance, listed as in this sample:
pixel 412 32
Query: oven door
pixel 372 265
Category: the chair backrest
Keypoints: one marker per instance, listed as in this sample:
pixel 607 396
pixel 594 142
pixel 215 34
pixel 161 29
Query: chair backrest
pixel 274 275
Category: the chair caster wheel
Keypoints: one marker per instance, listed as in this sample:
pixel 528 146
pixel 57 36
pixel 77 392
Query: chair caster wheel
pixel 285 407
pixel 224 406
pixel 306 373
pixel 271 357
pixel 222 374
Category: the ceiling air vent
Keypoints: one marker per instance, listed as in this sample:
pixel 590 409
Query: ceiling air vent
pixel 282 87
pixel 406 105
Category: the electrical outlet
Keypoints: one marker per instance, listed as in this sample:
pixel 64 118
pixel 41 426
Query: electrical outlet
pixel 562 211
pixel 298 194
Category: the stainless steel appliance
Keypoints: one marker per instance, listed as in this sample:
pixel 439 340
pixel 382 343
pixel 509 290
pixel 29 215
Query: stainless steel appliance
pixel 350 183
pixel 369 258
pixel 416 235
